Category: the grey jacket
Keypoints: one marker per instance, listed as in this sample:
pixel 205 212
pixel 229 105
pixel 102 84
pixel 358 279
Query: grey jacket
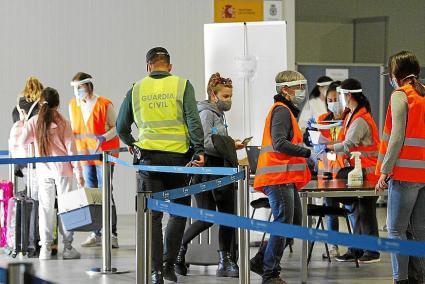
pixel 211 118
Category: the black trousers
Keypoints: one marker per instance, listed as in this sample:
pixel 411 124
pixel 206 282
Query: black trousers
pixel 364 210
pixel 156 182
pixel 223 200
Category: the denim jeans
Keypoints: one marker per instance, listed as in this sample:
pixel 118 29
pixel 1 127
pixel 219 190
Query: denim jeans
pixel 286 208
pixel 93 178
pixel 366 223
pixel 332 222
pixel 406 214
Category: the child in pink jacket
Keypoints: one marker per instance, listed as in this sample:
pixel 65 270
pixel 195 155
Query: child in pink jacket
pixel 52 135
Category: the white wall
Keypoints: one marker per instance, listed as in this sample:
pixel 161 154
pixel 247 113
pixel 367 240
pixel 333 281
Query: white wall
pixel 108 39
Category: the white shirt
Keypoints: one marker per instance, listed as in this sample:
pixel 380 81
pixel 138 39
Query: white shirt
pixel 314 107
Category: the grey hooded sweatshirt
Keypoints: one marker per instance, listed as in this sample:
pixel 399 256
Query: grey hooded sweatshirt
pixel 211 118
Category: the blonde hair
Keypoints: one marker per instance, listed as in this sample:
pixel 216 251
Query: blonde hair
pixel 32 89
pixel 287 76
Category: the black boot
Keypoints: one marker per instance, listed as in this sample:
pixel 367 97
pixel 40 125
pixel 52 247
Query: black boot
pixel 256 263
pixel 181 267
pixel 226 266
pixel 169 272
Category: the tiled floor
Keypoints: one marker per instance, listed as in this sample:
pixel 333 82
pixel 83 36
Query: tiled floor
pixel 73 271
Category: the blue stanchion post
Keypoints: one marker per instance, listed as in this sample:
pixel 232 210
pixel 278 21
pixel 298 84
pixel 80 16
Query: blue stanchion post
pixel 243 234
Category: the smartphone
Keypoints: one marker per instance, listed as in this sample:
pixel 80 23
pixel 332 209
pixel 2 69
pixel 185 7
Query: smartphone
pixel 247 140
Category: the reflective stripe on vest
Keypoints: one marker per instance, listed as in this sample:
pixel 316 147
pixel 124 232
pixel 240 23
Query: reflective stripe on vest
pixel 281 168
pixel 413 142
pixel 158 113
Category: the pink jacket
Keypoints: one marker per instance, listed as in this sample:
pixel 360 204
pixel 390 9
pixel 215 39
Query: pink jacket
pixel 62 143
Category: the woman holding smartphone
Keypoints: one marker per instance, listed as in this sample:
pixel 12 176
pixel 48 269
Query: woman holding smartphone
pixel 213 121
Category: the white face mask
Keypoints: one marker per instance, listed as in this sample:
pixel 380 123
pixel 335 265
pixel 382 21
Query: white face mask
pixel 334 107
pixel 299 98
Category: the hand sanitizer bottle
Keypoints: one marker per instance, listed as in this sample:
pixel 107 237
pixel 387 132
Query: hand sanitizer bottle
pixel 355 177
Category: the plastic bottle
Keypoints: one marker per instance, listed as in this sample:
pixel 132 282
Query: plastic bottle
pixel 355 177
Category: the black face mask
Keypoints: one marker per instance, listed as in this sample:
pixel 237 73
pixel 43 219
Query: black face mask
pixel 280 98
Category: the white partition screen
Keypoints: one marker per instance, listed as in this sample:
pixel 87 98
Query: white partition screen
pixel 251 55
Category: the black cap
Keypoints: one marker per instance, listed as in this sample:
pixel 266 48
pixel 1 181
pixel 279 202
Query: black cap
pixel 156 51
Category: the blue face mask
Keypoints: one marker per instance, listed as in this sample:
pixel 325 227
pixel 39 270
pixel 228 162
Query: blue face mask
pixel 394 83
pixel 82 93
pixel 334 107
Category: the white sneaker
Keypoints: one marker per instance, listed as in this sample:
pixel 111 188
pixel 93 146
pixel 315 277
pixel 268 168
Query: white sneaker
pixel 92 241
pixel 70 253
pixel 45 252
pixel 115 242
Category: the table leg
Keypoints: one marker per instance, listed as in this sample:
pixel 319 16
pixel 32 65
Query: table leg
pixel 304 242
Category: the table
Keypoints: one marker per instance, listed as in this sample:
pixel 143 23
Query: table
pixel 328 188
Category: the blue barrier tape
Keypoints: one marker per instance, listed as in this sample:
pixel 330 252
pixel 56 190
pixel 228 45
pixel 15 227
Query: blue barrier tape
pixel 50 159
pixel 403 247
pixel 177 170
pixel 4 152
pixel 197 188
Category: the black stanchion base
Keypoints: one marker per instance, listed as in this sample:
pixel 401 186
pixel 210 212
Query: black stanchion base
pixel 98 271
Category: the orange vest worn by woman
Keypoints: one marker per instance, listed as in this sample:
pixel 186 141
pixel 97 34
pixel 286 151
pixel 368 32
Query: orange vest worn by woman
pixel 85 134
pixel 410 165
pixel 332 134
pixel 276 168
pixel 369 155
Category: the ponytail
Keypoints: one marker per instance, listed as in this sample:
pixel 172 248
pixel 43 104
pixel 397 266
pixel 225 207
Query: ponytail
pixel 49 100
pixel 417 85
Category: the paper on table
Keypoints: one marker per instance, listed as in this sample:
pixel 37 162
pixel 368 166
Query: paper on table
pixel 317 137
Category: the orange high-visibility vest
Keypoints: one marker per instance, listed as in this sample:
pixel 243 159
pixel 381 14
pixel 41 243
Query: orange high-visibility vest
pixel 276 168
pixel 85 134
pixel 410 165
pixel 332 135
pixel 369 153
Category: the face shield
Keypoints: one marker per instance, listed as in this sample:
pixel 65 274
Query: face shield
pixel 301 91
pixel 323 87
pixel 76 84
pixel 341 95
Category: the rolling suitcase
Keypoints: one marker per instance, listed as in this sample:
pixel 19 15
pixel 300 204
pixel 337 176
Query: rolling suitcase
pixel 22 222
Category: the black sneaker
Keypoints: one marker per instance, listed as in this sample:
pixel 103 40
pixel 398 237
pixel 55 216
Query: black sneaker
pixel 256 265
pixel 347 257
pixel 369 258
pixel 169 273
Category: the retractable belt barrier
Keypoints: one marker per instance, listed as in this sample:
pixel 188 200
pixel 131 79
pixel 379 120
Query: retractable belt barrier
pixel 291 231
pixel 158 202
pixel 176 169
pixel 161 202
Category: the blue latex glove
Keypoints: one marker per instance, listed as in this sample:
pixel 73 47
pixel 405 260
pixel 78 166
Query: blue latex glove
pixel 319 148
pixel 100 139
pixel 310 122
